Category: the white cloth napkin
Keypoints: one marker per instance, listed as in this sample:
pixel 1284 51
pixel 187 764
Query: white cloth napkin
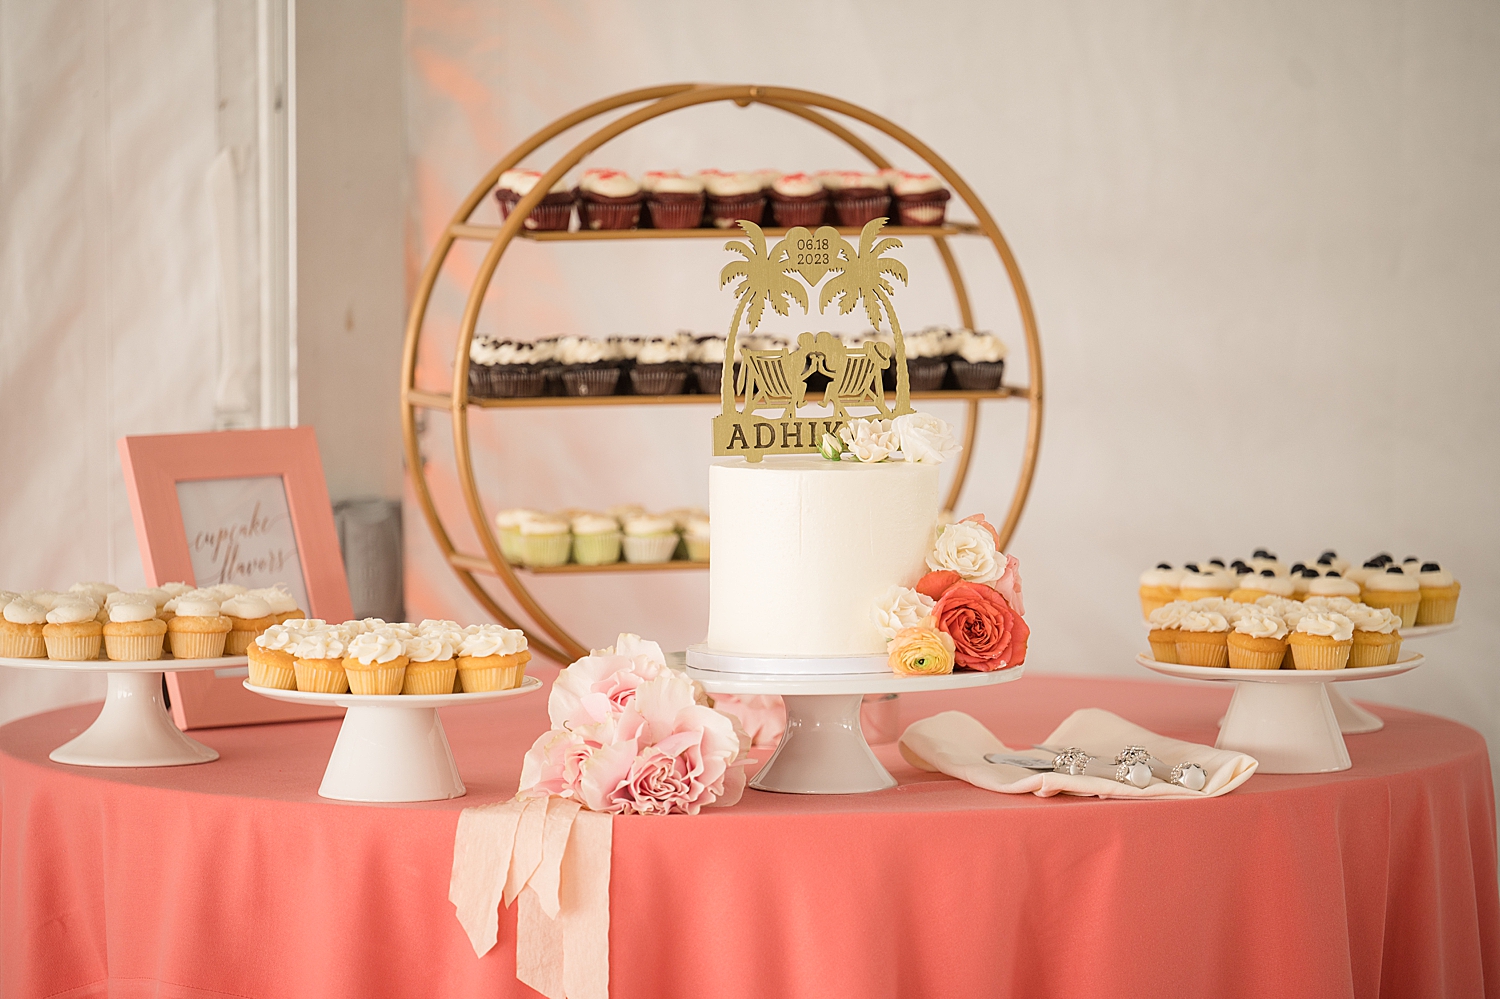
pixel 955 744
pixel 555 857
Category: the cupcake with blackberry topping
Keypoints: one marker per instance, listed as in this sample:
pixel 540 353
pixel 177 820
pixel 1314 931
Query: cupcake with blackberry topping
pixel 585 371
pixel 660 367
pixel 921 199
pixel 553 214
pixel 980 363
pixel 672 200
pixel 857 198
pixel 1438 592
pixel 1393 589
pixel 732 197
pixel 798 199
pixel 609 199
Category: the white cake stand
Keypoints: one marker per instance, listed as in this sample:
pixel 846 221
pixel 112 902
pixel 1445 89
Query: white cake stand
pixel 1355 720
pixel 823 750
pixel 392 747
pixel 1283 717
pixel 133 728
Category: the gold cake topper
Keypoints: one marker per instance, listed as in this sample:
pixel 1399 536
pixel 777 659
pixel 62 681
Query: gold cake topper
pixel 775 381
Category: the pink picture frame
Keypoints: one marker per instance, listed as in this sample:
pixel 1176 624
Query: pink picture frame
pixel 162 470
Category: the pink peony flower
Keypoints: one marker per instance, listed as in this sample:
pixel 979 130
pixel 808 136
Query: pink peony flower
pixel 553 764
pixel 763 716
pixel 1009 584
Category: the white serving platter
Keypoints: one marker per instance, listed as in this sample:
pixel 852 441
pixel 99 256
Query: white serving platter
pixel 1283 717
pixel 133 728
pixel 392 747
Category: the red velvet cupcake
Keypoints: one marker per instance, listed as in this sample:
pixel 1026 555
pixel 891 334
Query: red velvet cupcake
pixel 732 197
pixel 554 214
pixel 672 200
pixel 797 199
pixel 609 199
pixel 856 197
pixel 921 199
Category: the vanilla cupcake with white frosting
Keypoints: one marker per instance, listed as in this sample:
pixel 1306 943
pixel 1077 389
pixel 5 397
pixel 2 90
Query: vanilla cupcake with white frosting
pixel 1438 592
pixel 1395 590
pixel 375 661
pixel 1203 639
pixel 649 538
pixel 133 632
pixel 1196 584
pixel 431 653
pixel 1162 625
pixel 1377 635
pixel 695 532
pixel 271 661
pixel 1331 584
pixel 1265 583
pixel 318 660
pixel 248 615
pixel 1321 640
pixel 596 539
pixel 21 624
pixel 545 541
pixel 73 632
pixel 197 629
pixel 1257 639
pixel 508 526
pixel 1158 587
pixel 492 658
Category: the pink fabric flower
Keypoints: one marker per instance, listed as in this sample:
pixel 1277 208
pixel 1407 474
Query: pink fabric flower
pixel 763 716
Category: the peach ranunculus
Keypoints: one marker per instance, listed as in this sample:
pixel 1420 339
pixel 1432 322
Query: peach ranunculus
pixel 987 632
pixel 921 651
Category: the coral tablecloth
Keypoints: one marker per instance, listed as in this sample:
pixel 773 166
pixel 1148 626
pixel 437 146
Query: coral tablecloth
pixel 234 878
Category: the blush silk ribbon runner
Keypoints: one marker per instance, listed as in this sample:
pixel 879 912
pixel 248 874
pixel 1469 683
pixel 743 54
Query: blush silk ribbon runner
pixel 554 856
pixel 955 744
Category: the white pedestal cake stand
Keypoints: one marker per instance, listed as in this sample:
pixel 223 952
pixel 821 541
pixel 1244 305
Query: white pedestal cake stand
pixel 133 728
pixel 392 747
pixel 1283 717
pixel 1355 720
pixel 823 750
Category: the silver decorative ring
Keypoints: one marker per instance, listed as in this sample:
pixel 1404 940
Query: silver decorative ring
pixel 1179 770
pixel 1071 760
pixel 1122 771
pixel 1134 754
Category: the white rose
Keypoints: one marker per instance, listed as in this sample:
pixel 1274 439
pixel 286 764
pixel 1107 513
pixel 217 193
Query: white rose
pixel 899 607
pixel 925 438
pixel 870 440
pixel 968 550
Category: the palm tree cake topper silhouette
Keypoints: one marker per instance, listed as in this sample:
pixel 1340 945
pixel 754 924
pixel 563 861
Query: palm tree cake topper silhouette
pixel 773 384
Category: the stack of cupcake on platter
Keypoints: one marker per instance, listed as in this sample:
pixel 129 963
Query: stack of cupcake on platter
pixel 1262 614
pixel 90 620
pixel 608 199
pixel 375 657
pixel 937 358
pixel 628 532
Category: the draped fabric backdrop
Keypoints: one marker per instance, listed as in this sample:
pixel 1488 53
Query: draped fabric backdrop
pixel 1261 242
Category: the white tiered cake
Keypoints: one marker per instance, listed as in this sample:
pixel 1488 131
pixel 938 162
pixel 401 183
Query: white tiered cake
pixel 803 547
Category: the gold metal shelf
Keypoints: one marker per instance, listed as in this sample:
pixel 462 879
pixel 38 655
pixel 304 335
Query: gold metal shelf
pixel 480 564
pixel 441 400
pixel 487 233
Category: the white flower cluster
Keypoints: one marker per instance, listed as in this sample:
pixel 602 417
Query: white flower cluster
pixel 918 437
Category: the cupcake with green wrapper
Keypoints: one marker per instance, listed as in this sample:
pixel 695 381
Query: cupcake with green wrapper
pixel 696 533
pixel 508 525
pixel 596 539
pixel 649 538
pixel 545 542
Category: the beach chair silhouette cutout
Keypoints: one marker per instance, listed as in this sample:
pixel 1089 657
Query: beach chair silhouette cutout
pixel 860 382
pixel 764 384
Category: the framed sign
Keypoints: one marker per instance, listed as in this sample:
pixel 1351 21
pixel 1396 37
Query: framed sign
pixel 236 506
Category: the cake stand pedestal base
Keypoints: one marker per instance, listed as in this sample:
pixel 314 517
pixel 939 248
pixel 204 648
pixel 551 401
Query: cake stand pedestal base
pixel 133 730
pixel 1353 719
pixel 823 750
pixel 392 747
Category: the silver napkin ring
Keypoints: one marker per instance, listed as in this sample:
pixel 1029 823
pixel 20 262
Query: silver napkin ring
pixel 1071 760
pixel 1134 754
pixel 1182 768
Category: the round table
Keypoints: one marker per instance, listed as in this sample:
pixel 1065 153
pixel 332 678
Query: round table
pixel 235 878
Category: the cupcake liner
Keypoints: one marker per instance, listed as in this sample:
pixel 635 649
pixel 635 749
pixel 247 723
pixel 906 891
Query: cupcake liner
pixel 657 379
pixel 926 209
pixel 591 381
pixel 321 676
pixel 1393 652
pixel 545 217
pixel 196 644
pixel 133 648
pixel 430 678
pixel 923 374
pixel 724 213
pixel 73 648
pixel 1208 648
pixel 515 381
pixel 983 376
pixel 1255 653
pixel 375 679
pixel 22 645
pixel 1163 645
pixel 801 211
pixel 596 549
pixel 649 548
pixel 681 212
pixel 697 549
pixel 1316 655
pixel 270 674
pixel 856 212
pixel 1403 605
pixel 710 378
pixel 510 543
pixel 476 681
pixel 237 641
pixel 1368 650
pixel 544 550
pixel 1437 610
pixel 609 214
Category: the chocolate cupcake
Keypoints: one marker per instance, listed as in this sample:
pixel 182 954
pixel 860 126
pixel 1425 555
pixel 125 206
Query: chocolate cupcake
pixel 732 197
pixel 920 199
pixel 554 214
pixel 585 368
pixel 609 199
pixel 504 369
pixel 856 198
pixel 797 199
pixel 707 358
pixel 660 367
pixel 672 200
pixel 981 362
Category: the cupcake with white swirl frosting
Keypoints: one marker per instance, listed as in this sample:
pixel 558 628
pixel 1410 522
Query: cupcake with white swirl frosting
pixel 586 369
pixel 980 364
pixel 492 658
pixel 660 367
pixel 432 666
pixel 609 199
pixel 1257 640
pixel 375 662
pixel 1322 640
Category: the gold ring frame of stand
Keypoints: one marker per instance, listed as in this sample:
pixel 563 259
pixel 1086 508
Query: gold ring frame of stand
pixel 548 637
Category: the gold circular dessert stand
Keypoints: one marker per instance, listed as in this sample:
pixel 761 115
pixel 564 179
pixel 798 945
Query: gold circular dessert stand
pixel 548 637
